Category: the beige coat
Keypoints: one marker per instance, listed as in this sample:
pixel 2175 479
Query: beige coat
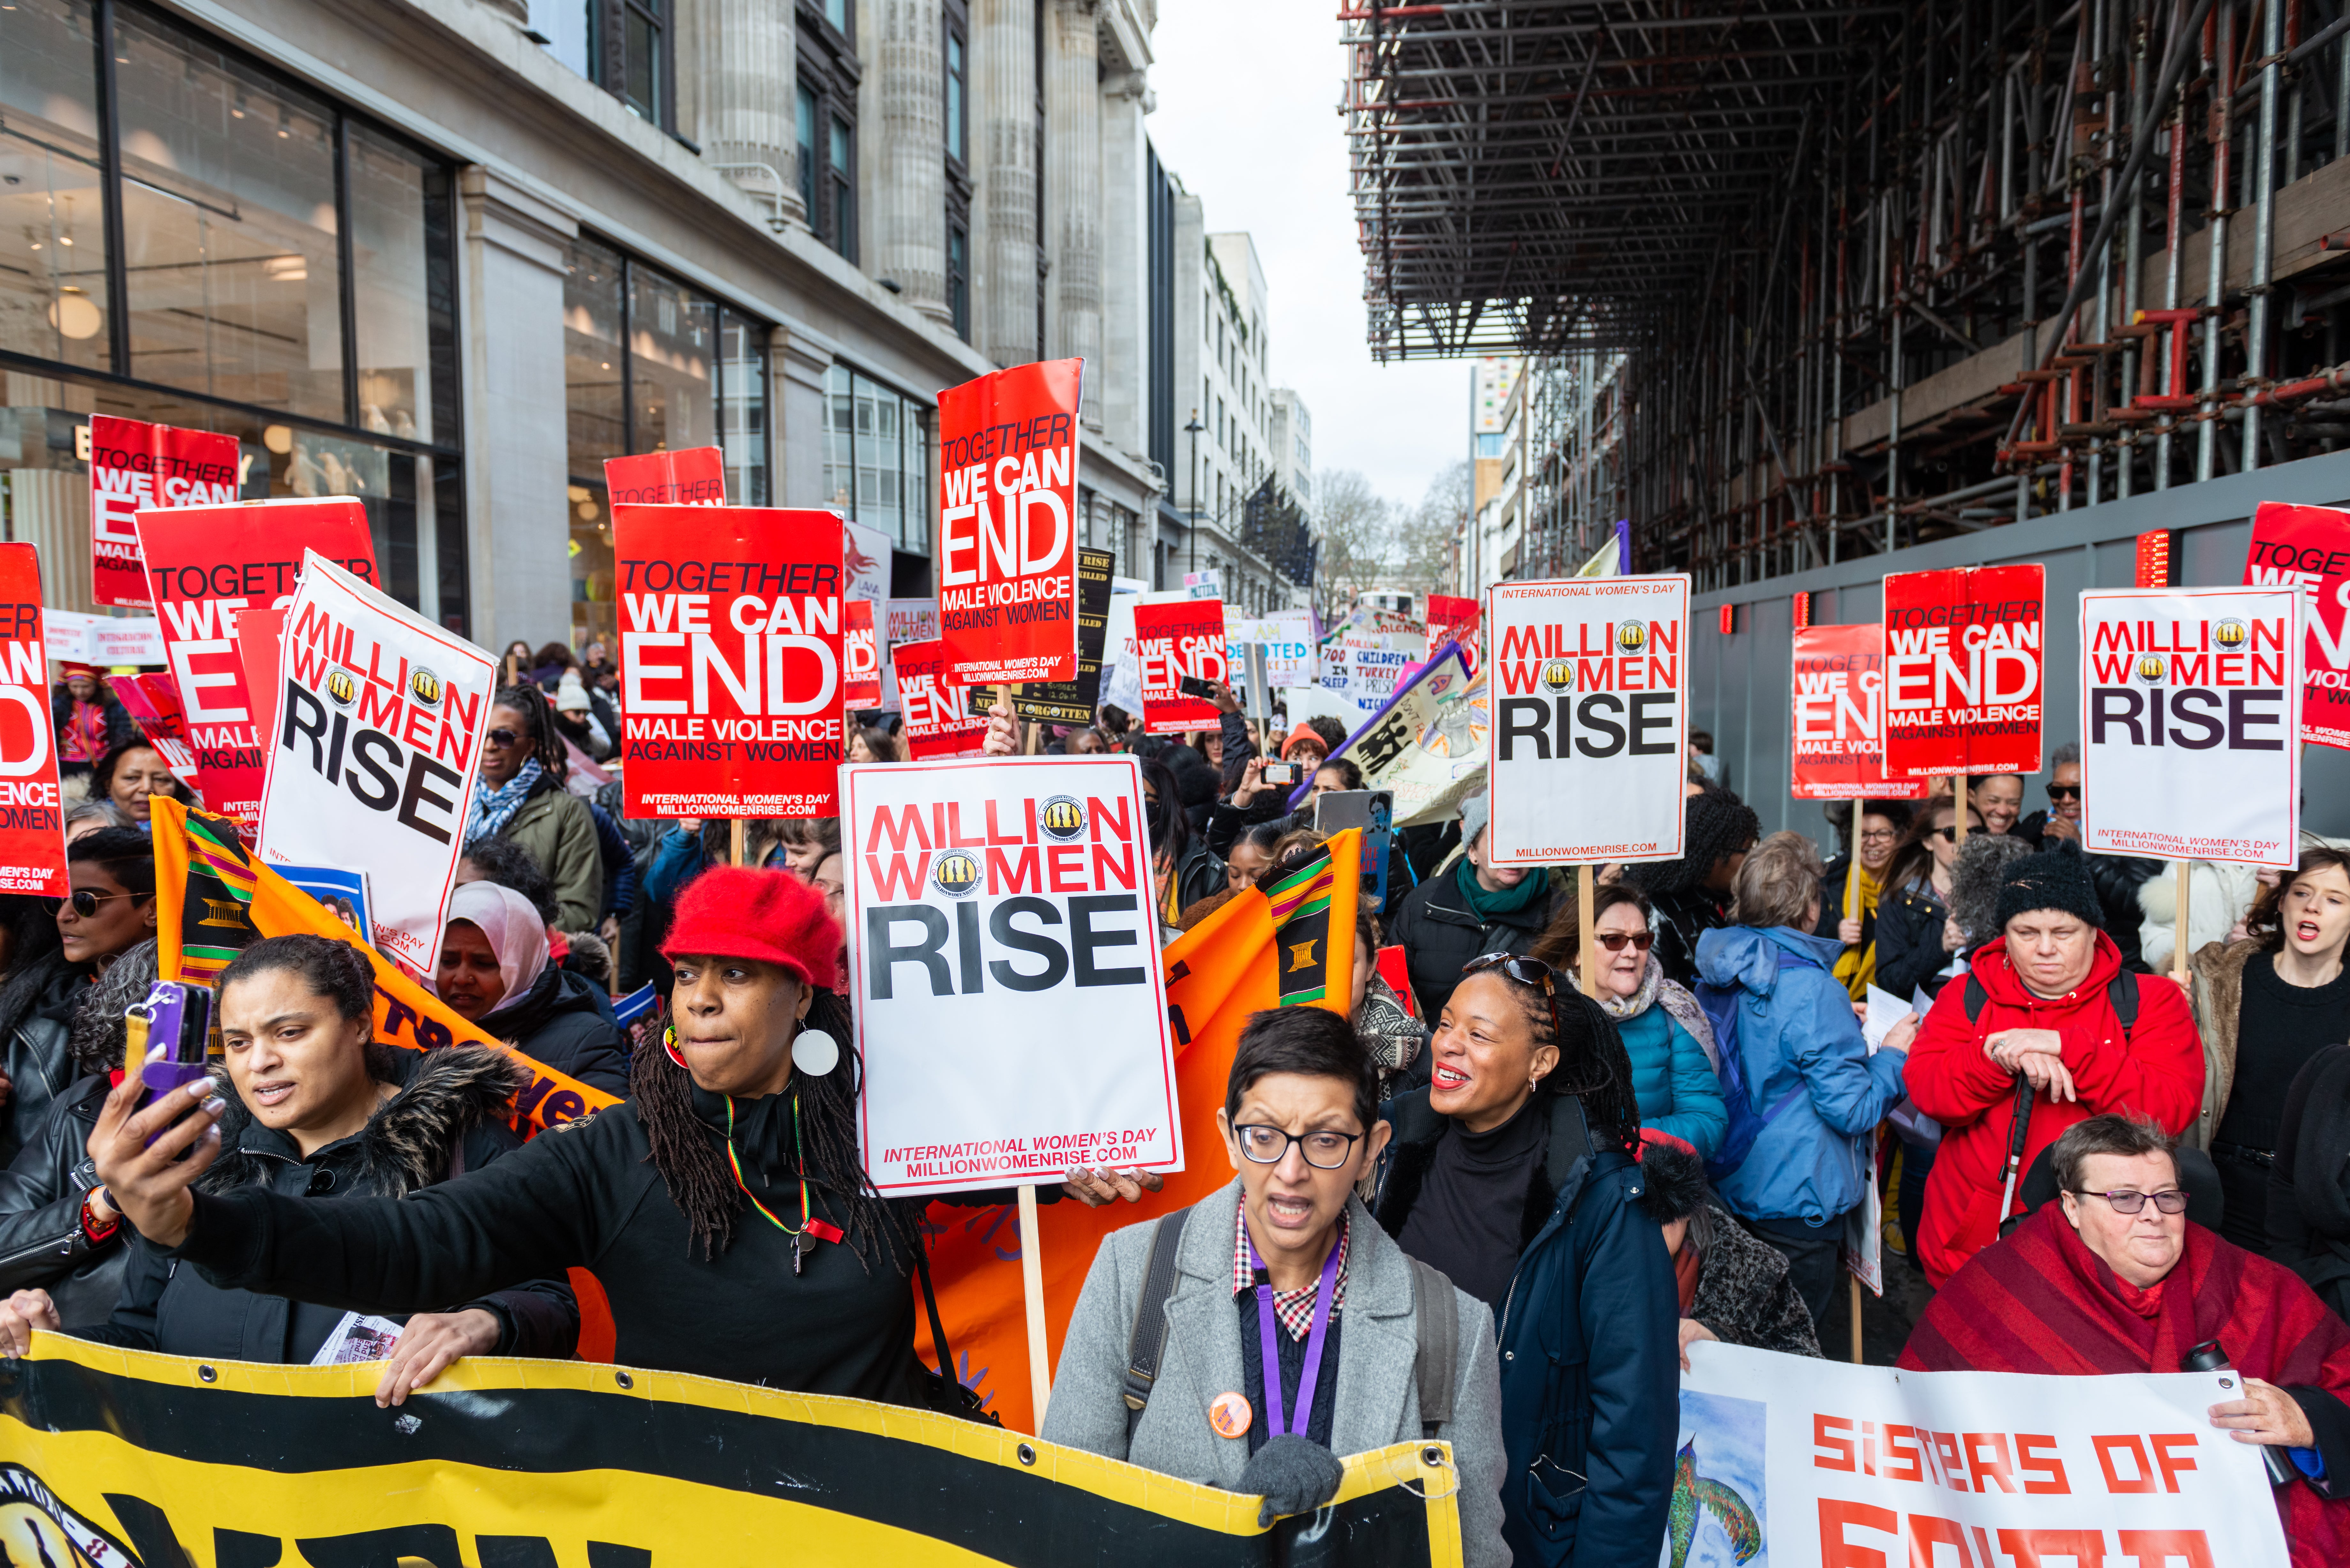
pixel 2217 971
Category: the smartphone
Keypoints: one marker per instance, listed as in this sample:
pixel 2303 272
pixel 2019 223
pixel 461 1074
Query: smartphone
pixel 1279 773
pixel 1192 686
pixel 180 1017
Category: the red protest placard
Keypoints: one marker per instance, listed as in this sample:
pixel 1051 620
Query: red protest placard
pixel 2308 547
pixel 204 565
pixel 1173 643
pixel 134 466
pixel 1452 619
pixel 938 723
pixel 694 477
pixel 258 634
pixel 860 658
pixel 730 660
pixel 32 815
pixel 154 703
pixel 1965 670
pixel 1839 719
pixel 1007 535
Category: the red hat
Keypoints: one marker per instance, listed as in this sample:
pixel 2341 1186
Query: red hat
pixel 732 911
pixel 1305 734
pixel 67 669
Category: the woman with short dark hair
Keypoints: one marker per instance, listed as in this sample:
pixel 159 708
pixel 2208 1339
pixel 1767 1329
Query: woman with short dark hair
pixel 130 772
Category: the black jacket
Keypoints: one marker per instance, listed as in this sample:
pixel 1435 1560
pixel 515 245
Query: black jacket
pixel 558 1023
pixel 448 1117
pixel 1199 874
pixel 1683 915
pixel 587 1195
pixel 42 1244
pixel 1909 952
pixel 37 1008
pixel 1438 933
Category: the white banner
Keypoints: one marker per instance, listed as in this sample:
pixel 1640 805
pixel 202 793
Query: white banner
pixel 1003 951
pixel 381 719
pixel 1786 1461
pixel 1589 720
pixel 1288 640
pixel 2191 719
pixel 104 640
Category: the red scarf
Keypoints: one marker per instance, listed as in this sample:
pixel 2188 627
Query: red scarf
pixel 2042 1301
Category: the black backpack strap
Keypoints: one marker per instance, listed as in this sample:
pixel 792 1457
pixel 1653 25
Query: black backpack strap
pixel 1148 1342
pixel 2121 994
pixel 1436 1327
pixel 930 1305
pixel 1977 997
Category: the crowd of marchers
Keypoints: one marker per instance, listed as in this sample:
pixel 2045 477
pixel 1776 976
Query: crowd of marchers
pixel 2094 1165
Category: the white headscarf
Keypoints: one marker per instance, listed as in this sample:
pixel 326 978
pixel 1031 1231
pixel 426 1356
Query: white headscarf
pixel 515 932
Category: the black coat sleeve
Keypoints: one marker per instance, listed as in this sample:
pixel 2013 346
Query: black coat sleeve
pixel 537 1317
pixel 2329 1421
pixel 41 1238
pixel 1238 750
pixel 1908 945
pixel 1631 1315
pixel 145 1273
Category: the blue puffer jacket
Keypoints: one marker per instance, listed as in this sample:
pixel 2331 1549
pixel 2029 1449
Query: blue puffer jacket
pixel 1796 1031
pixel 1590 1345
pixel 1673 1081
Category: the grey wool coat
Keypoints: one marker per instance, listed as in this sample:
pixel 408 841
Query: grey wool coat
pixel 1377 1392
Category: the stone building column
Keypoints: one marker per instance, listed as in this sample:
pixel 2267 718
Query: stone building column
pixel 750 97
pixel 1004 87
pixel 1073 189
pixel 910 197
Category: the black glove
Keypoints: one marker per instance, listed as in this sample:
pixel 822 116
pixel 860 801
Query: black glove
pixel 1292 1474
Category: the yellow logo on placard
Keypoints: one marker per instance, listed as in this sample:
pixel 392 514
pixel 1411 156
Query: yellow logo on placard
pixel 2229 634
pixel 1558 674
pixel 1061 817
pixel 2150 666
pixel 956 875
pixel 343 687
pixel 1631 637
pixel 424 686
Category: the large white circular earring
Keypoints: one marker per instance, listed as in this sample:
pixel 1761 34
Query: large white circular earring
pixel 815 1053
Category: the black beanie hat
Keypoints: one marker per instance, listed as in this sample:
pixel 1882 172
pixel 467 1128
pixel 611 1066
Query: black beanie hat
pixel 2055 879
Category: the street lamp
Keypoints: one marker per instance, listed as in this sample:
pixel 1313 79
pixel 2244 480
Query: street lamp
pixel 1193 430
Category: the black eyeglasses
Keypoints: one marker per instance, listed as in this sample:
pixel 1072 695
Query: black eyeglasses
pixel 1266 1144
pixel 2063 792
pixel 1947 835
pixel 2171 1203
pixel 501 736
pixel 1525 972
pixel 84 902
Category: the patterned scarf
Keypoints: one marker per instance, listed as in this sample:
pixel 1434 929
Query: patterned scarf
pixel 1678 1004
pixel 85 732
pixel 493 808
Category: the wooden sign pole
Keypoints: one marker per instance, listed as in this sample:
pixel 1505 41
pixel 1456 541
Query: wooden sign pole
pixel 1959 794
pixel 742 853
pixel 2179 946
pixel 1584 876
pixel 1855 1310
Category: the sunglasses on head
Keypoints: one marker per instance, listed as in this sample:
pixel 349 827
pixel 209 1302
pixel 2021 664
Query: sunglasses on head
pixel 2063 792
pixel 1525 972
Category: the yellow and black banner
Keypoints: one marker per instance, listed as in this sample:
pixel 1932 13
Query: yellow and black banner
pixel 116 1459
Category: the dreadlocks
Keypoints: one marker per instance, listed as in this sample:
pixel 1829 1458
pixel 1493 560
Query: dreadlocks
pixel 694 1170
pixel 1719 825
pixel 1593 1064
pixel 538 716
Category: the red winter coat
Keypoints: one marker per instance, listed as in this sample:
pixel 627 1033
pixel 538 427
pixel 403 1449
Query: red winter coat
pixel 2157 1071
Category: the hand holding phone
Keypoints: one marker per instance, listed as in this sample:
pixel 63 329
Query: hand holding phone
pixel 1283 773
pixel 1194 686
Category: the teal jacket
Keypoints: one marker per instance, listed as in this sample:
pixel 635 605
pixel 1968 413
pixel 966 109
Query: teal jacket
pixel 1673 1081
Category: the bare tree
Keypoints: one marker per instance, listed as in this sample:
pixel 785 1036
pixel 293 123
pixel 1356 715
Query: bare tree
pixel 1425 535
pixel 1355 530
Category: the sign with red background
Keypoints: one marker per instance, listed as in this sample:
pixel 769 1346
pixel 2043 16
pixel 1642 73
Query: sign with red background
pixel 2308 547
pixel 135 466
pixel 694 477
pixel 939 720
pixel 860 669
pixel 1839 718
pixel 730 660
pixel 1455 620
pixel 204 565
pixel 1171 641
pixel 154 703
pixel 32 815
pixel 1965 670
pixel 1007 524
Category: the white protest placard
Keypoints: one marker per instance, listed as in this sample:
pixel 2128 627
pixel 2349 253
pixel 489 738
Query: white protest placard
pixel 1786 1460
pixel 1287 638
pixel 124 639
pixel 1589 720
pixel 1387 747
pixel 2191 720
pixel 1004 951
pixel 377 742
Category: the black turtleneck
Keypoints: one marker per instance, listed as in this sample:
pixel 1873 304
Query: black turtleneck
pixel 1470 1217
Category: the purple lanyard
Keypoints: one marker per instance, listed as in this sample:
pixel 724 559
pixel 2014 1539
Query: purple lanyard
pixel 1266 1316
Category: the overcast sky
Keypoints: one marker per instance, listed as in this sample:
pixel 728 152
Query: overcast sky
pixel 1247 119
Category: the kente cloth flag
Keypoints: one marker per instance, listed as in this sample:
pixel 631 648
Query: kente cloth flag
pixel 1293 943
pixel 214 899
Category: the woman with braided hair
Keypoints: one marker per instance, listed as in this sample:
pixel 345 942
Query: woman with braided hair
pixel 722 1208
pixel 520 798
pixel 1514 1172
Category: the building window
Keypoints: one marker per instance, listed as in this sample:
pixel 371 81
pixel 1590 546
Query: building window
pixel 285 275
pixel 840 168
pixel 806 154
pixel 958 147
pixel 642 77
pixel 876 458
pixel 827 122
pixel 649 364
pixel 959 278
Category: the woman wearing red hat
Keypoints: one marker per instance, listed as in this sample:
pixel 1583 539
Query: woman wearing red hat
pixel 722 1208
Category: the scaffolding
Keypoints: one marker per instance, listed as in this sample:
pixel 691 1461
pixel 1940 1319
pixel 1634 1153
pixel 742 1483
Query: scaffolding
pixel 1801 282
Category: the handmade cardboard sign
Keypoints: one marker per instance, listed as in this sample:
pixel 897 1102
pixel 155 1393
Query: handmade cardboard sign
pixel 205 564
pixel 2308 548
pixel 133 467
pixel 1287 638
pixel 730 660
pixel 1590 720
pixel 1839 719
pixel 2190 711
pixel 1004 948
pixel 1007 524
pixel 372 760
pixel 1965 672
pixel 32 814
pixel 940 722
pixel 693 477
pixel 1174 643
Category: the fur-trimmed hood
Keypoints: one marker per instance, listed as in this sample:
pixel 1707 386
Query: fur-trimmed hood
pixel 411 1140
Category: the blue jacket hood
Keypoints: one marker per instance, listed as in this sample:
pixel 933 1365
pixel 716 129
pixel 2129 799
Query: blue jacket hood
pixel 1748 956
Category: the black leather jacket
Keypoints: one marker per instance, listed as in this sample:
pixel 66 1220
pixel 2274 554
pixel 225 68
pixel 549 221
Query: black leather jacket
pixel 42 1245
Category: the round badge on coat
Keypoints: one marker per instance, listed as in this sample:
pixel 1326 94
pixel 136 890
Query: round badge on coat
pixel 1230 1415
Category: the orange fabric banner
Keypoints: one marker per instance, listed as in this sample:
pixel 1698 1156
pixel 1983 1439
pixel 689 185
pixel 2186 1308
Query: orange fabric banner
pixel 1236 962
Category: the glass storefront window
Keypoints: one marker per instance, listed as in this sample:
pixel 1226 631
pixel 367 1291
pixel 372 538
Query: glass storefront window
pixel 404 293
pixel 52 206
pixel 672 340
pixel 229 225
pixel 592 358
pixel 743 386
pixel 876 458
